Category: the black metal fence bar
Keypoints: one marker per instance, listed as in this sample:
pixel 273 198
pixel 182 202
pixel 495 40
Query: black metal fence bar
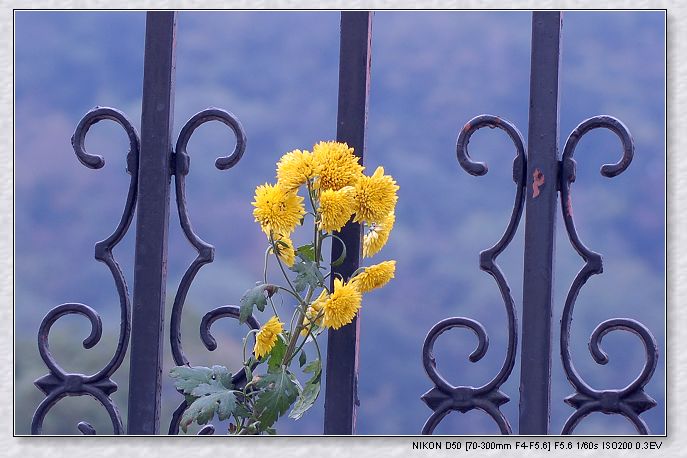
pixel 152 224
pixel 341 397
pixel 540 224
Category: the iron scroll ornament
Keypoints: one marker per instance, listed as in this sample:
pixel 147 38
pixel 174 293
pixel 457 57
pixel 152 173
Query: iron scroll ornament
pixel 206 252
pixel 60 383
pixel 444 397
pixel 630 401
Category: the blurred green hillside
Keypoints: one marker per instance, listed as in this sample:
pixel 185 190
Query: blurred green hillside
pixel 278 72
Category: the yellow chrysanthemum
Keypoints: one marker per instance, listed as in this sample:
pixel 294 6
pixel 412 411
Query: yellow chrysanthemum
pixel 276 209
pixel 312 312
pixel 267 337
pixel 294 169
pixel 342 305
pixel 375 196
pixel 375 276
pixel 335 165
pixel 377 235
pixel 286 253
pixel 336 208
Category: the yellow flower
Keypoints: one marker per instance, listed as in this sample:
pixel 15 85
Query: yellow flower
pixel 294 169
pixel 375 196
pixel 286 253
pixel 312 312
pixel 276 209
pixel 375 276
pixel 336 208
pixel 342 305
pixel 377 235
pixel 335 165
pixel 267 337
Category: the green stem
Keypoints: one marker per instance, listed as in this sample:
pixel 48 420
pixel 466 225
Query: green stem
pixel 296 330
pixel 300 347
pixel 245 341
pixel 283 271
pixel 357 271
pixel 293 337
pixel 264 272
pixel 310 334
pixel 269 298
pixel 288 356
pixel 299 298
pixel 315 224
pixel 310 197
pixel 314 339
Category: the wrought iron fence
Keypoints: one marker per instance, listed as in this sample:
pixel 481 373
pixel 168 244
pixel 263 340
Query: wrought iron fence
pixel 540 174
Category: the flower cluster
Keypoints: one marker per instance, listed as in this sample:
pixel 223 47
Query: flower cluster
pixel 335 179
pixel 335 192
pixel 339 192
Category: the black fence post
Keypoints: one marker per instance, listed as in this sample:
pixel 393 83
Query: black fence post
pixel 341 396
pixel 540 224
pixel 150 271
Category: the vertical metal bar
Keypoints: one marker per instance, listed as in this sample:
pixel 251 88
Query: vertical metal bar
pixel 540 224
pixel 150 271
pixel 341 395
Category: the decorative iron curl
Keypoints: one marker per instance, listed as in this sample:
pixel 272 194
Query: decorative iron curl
pixel 206 251
pixel 227 311
pixel 444 397
pixel 631 400
pixel 59 383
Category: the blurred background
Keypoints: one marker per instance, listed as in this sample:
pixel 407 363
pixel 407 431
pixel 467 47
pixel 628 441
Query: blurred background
pixel 278 72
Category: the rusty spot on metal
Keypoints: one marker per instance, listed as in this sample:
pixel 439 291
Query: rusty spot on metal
pixel 466 127
pixel 569 207
pixel 538 181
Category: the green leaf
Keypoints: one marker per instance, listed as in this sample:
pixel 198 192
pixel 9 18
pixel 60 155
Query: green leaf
pixel 305 400
pixel 306 252
pixel 302 359
pixel 223 375
pixel 187 378
pixel 249 372
pixel 313 367
pixel 241 411
pixel 216 399
pixel 310 392
pixel 255 297
pixel 276 355
pixel 308 274
pixel 280 391
pixel 341 258
pixel 207 391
